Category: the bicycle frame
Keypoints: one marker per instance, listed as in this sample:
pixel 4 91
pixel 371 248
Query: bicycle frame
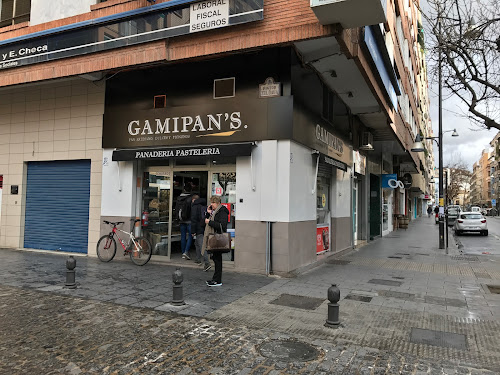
pixel 131 236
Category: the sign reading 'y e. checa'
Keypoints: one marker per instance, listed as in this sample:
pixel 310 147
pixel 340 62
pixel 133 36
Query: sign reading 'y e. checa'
pixel 208 15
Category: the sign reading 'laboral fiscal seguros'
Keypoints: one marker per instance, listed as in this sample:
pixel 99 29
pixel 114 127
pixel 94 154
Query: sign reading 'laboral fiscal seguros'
pixel 208 15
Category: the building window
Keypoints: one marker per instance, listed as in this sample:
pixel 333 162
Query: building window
pixel 14 11
pixel 224 88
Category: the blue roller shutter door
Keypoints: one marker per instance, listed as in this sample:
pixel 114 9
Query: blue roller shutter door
pixel 57 205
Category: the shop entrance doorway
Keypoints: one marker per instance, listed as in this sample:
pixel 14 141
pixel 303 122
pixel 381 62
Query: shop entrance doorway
pixel 162 186
pixel 375 201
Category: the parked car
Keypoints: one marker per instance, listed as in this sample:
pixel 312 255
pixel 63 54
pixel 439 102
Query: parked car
pixel 453 211
pixel 475 209
pixel 471 222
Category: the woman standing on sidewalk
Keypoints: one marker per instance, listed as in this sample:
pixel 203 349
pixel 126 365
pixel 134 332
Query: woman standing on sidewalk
pixel 216 222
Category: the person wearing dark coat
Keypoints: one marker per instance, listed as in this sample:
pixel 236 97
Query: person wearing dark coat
pixel 216 222
pixel 198 211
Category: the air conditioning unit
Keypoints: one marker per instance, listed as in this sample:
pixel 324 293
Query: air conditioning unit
pixel 366 141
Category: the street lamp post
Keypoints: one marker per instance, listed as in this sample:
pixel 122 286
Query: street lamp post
pixel 440 121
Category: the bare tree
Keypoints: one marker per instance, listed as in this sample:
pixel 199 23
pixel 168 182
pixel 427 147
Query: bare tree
pixel 468 35
pixel 459 180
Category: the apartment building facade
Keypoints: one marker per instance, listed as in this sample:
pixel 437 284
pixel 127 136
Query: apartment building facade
pixel 291 113
pixel 482 181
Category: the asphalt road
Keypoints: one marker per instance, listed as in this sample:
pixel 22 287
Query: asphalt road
pixel 478 245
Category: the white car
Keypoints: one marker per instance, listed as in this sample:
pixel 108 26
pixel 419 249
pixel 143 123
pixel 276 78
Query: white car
pixel 471 222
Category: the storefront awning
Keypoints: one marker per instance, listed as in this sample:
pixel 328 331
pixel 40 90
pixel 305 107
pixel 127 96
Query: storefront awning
pixel 189 152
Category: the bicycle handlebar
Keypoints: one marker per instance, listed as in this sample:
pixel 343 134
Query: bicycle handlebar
pixel 113 223
pixel 119 222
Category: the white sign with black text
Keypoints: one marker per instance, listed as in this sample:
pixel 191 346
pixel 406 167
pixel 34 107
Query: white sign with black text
pixel 269 89
pixel 208 15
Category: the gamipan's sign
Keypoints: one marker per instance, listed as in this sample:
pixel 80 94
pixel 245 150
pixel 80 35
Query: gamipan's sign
pixel 212 123
pixel 167 128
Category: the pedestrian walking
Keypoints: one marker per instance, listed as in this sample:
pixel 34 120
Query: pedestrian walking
pixel 198 215
pixel 429 211
pixel 216 222
pixel 183 214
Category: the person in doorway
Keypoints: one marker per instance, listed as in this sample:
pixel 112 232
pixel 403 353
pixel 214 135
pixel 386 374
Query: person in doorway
pixel 429 211
pixel 198 215
pixel 215 222
pixel 183 214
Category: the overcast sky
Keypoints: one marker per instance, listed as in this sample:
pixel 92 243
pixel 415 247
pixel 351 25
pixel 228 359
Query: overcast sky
pixel 471 140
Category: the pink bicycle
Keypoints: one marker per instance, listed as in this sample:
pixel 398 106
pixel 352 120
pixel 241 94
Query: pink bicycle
pixel 139 248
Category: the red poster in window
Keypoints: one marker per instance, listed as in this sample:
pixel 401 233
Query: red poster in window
pixel 322 238
pixel 228 206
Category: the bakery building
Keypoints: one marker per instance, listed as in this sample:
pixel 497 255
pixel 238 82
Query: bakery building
pixel 109 108
pixel 229 127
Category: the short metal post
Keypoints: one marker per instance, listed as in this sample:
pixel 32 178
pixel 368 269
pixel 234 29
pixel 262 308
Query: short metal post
pixel 333 307
pixel 70 273
pixel 177 294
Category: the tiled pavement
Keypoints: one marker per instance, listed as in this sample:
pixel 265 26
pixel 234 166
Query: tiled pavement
pixel 406 282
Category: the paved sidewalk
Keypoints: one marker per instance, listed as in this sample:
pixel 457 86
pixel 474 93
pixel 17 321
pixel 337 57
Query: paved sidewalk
pixel 406 307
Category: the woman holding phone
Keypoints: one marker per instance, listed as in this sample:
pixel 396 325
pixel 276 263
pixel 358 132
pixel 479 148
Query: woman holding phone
pixel 216 222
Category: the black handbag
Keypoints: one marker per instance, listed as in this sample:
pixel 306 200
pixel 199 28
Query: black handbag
pixel 219 241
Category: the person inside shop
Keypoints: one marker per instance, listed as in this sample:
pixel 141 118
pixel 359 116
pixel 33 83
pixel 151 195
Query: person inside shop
pixel 215 222
pixel 198 215
pixel 183 214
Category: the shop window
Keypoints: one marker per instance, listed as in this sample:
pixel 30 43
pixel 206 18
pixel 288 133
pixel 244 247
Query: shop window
pixel 323 214
pixel 224 88
pixel 14 11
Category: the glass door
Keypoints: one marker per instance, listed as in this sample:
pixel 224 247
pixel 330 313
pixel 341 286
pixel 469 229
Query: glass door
pixel 157 201
pixel 224 185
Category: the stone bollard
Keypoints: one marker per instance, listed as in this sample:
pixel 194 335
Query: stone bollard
pixel 333 307
pixel 70 273
pixel 177 295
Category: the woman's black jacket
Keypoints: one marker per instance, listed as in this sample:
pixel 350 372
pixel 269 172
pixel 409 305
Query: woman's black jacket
pixel 219 220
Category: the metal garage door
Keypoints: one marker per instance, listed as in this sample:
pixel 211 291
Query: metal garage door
pixel 57 205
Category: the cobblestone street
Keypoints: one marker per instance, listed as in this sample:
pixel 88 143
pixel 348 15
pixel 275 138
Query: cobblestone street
pixel 44 333
pixel 405 308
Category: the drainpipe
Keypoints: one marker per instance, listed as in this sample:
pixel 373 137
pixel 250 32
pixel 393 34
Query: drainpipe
pixel 269 248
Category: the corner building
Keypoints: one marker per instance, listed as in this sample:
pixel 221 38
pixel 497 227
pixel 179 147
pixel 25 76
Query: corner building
pixel 108 109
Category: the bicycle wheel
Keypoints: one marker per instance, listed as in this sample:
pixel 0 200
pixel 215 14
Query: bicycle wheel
pixel 106 248
pixel 141 253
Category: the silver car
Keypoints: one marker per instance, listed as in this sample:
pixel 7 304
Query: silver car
pixel 471 222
